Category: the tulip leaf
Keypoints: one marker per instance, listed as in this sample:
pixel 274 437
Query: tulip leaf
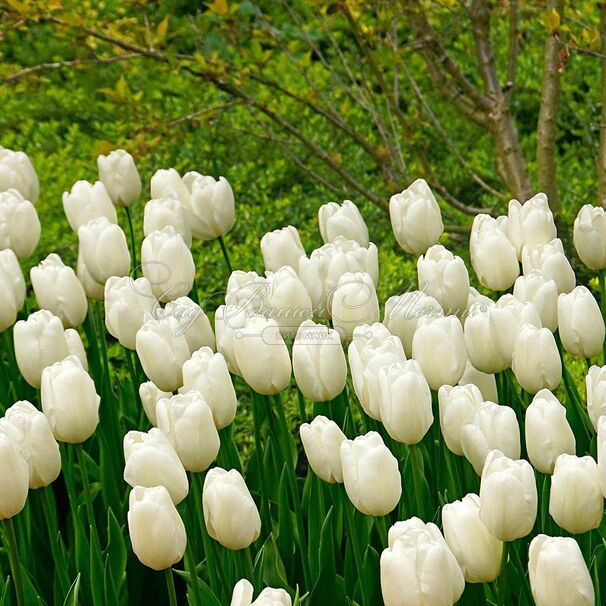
pixel 71 599
pixel 210 599
pixel 272 567
pixel 116 551
pixel 286 540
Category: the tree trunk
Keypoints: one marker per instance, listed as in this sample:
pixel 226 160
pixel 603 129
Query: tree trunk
pixel 602 152
pixel 547 125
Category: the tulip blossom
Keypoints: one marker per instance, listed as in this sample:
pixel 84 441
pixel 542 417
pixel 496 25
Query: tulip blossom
pixel 602 453
pixel 480 340
pixel 418 567
pixel 36 441
pixel 93 289
pixel 590 236
pixel 162 212
pixel 558 573
pixel 18 173
pixel 288 302
pixel 12 288
pixel 342 220
pixel 542 293
pixel 120 176
pixel 552 262
pixel 229 319
pixel 193 323
pixel 150 395
pixel 456 405
pixel 70 401
pixel 493 256
pixel 206 372
pixel 87 201
pixel 595 388
pixel 478 553
pixel 485 382
pixel 318 362
pixel 354 303
pixel 230 514
pixel 508 497
pixel 19 224
pixel 581 323
pixel 58 289
pixel 282 247
pixel 576 502
pixel 244 591
pixel 152 461
pixel 444 276
pixel 156 530
pixel 530 224
pixel 416 219
pixel 14 473
pixel 439 347
pixel 548 434
pixel 370 474
pixel 322 440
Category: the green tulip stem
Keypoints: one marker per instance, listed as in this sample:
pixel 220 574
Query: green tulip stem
pixel 248 563
pixel 265 512
pixel 190 564
pixel 87 493
pixel 170 585
pixel 225 255
pixel 133 246
pixel 13 558
pixel 381 529
pixel 603 304
pixel 417 474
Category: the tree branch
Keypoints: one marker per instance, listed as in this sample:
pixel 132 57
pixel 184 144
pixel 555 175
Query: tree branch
pixel 602 152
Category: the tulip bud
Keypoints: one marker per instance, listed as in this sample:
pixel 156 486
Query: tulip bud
pixel 590 236
pixel 41 341
pixel 163 212
pixel 120 176
pixel 418 567
pixel 230 514
pixel 476 550
pixel 19 224
pixel 14 473
pixel 372 348
pixel 602 453
pixel 342 220
pixel 580 322
pixel 93 289
pixel 321 272
pixel 163 350
pixel 187 422
pixel 318 362
pixel 193 323
pixel 282 247
pixel 370 474
pixel 156 530
pixel 354 303
pixel 595 388
pixel 536 360
pixel 548 434
pixel 474 297
pixel 493 256
pixel 206 372
pixel 485 382
pixel 104 249
pixel 402 315
pixel 439 347
pixel 168 264
pixel 36 441
pixel 558 573
pixel 70 401
pixel 58 289
pixel 444 276
pixel 506 319
pixel 457 404
pixel 150 395
pixel 491 426
pixel 229 319
pixel 167 183
pixel 152 461
pixel 287 301
pixel 12 288
pixel 530 224
pixel 552 262
pixel 126 302
pixel 243 596
pixel 262 356
pixel 542 293
pixel 480 342
pixel 247 289
pixel 416 219
pixel 575 500
pixel 508 497
pixel 405 401
pixel 17 172
pixel 86 202
pixel 322 443
pixel 210 205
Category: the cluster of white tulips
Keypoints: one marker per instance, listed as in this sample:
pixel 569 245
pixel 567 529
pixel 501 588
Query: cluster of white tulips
pixel 496 500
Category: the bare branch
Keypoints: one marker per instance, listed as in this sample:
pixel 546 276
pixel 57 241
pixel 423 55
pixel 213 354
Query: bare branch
pixel 512 49
pixel 602 152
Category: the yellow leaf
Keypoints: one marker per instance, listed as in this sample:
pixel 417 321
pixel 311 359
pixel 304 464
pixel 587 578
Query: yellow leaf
pixel 162 29
pixel 121 89
pixel 554 20
pixel 219 6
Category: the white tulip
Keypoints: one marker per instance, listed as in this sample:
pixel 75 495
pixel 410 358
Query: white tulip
pixel 19 224
pixel 193 322
pixel 14 474
pixel 530 224
pixel 150 395
pixel 120 176
pixel 17 172
pixel 552 262
pixel 162 212
pixel 247 289
pixel 354 303
pixel 152 461
pixel 480 341
pixel 93 289
pixel 581 323
pixel 288 302
pixel 318 362
pixel 602 453
pixel 416 219
pixel 87 201
pixel 282 247
pixel 542 293
pixel 321 441
pixel 590 236
pixel 370 474
pixel 243 596
pixel 229 320
pixel 12 288
pixel 342 220
pixel 457 404
pixel 548 434
pixel 485 382
pixel 595 391
pixel 167 183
